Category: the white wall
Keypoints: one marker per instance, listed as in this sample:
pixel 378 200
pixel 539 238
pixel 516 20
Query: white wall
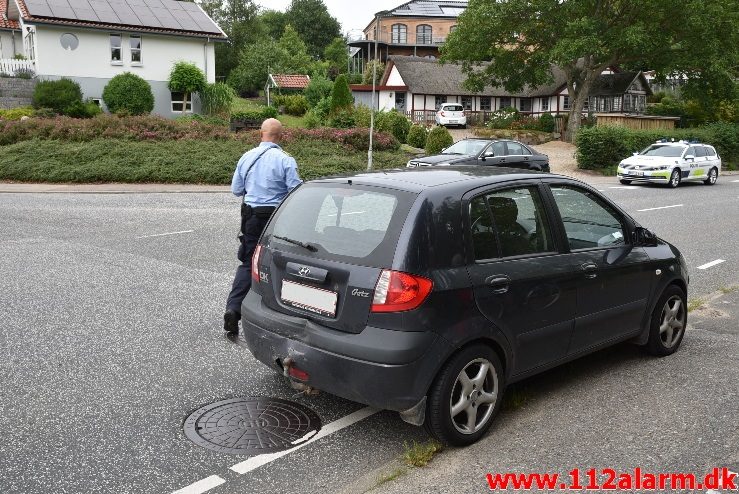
pixel 6 43
pixel 386 101
pixel 92 58
pixel 394 79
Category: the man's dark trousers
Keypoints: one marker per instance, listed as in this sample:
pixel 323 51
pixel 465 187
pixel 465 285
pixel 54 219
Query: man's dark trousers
pixel 252 226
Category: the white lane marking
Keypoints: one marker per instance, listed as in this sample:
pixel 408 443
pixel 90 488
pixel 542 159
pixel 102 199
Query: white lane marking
pixel 661 207
pixel 202 485
pixel 601 190
pixel 625 188
pixel 735 181
pixel 261 460
pixel 711 264
pixel 166 234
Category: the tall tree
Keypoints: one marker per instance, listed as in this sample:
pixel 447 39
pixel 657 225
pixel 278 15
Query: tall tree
pixel 521 39
pixel 274 23
pixel 337 56
pixel 293 55
pixel 314 24
pixel 240 21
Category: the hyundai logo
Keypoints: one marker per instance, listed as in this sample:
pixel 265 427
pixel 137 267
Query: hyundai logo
pixel 304 271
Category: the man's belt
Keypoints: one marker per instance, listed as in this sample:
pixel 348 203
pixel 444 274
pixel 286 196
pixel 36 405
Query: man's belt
pixel 248 211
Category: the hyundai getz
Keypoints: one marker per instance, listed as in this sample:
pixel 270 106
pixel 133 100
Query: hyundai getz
pixel 427 291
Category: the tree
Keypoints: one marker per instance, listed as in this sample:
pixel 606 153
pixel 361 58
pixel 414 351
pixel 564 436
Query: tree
pixel 341 95
pixel 293 55
pixel 274 23
pixel 318 88
pixel 376 66
pixel 186 78
pixel 337 56
pixel 255 62
pixel 240 21
pixel 521 39
pixel 314 24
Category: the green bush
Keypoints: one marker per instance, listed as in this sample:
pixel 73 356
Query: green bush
pixel 17 113
pixel 129 93
pixel 322 109
pixel 378 67
pixel 57 95
pixel 606 146
pixel 294 104
pixel 318 88
pixel 186 78
pixel 438 139
pixel 83 110
pixel 312 120
pixel 503 118
pixel 341 95
pixel 546 122
pixel 362 116
pixel 261 114
pixel 217 99
pixel 417 136
pixel 342 119
pixel 396 123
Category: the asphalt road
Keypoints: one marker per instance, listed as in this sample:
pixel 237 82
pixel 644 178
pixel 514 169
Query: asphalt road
pixel 111 335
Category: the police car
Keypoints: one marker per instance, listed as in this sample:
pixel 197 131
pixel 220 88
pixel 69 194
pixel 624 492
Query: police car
pixel 670 163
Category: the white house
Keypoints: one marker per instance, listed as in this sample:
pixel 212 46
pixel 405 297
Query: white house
pixel 418 86
pixel 11 42
pixel 93 41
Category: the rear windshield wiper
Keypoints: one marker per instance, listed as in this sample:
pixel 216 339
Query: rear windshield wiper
pixel 304 245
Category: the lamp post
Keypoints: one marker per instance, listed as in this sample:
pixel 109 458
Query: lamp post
pixel 378 16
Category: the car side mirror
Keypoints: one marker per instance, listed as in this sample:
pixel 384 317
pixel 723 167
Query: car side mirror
pixel 689 157
pixel 644 237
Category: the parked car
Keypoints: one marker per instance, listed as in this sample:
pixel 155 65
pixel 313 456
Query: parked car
pixel 451 114
pixel 670 163
pixel 488 152
pixel 428 291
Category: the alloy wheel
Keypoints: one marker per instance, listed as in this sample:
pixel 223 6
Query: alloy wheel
pixel 474 396
pixel 672 321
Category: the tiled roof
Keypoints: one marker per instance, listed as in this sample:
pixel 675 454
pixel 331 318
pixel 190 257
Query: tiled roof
pixel 117 26
pixel 291 81
pixel 6 23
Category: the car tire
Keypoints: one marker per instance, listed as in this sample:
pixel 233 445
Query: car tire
pixel 625 182
pixel 712 176
pixel 675 178
pixel 668 322
pixel 480 392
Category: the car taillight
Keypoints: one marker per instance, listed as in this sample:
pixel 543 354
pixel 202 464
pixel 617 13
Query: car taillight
pixel 396 291
pixel 443 114
pixel 255 263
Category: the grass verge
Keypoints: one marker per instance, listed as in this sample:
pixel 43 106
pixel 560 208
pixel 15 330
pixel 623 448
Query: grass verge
pixel 696 304
pixel 420 454
pixel 182 161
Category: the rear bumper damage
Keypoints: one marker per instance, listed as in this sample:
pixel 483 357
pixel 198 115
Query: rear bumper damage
pixel 338 363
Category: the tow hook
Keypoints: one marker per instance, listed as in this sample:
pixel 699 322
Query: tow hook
pixel 303 388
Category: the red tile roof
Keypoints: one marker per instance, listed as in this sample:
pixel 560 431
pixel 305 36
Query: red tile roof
pixel 6 23
pixel 291 81
pixel 104 25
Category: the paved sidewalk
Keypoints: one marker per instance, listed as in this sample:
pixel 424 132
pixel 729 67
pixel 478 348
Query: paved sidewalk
pixel 35 188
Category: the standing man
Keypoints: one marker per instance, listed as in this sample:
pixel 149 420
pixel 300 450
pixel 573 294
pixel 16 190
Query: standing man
pixel 263 176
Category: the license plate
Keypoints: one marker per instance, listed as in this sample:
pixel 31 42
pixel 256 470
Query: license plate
pixel 638 174
pixel 308 298
pixel 452 121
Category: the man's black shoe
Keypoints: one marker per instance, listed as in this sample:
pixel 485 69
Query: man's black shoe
pixel 231 322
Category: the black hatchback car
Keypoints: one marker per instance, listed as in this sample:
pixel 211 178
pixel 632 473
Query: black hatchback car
pixel 427 291
pixel 487 152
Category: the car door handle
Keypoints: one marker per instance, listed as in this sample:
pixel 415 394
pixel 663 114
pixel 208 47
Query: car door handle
pixel 590 269
pixel 498 283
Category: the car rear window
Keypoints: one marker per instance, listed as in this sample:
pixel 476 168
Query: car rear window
pixel 345 222
pixel 453 108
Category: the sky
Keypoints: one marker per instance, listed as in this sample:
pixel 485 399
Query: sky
pixel 352 14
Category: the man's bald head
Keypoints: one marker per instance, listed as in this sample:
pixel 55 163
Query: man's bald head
pixel 271 130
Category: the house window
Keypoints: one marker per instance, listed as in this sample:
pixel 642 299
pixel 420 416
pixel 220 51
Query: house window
pixel 486 103
pixel 438 101
pixel 505 102
pixel 135 42
pixel 399 33
pixel 467 102
pixel 544 104
pixel 524 104
pixel 400 101
pixel 616 103
pixel 566 103
pixel 98 102
pixel 424 35
pixel 179 105
pixel 586 105
pixel 115 47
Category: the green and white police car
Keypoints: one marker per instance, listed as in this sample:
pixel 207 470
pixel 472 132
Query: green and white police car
pixel 666 162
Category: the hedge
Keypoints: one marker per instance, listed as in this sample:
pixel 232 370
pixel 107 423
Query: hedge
pixel 128 93
pixel 606 146
pixel 438 139
pixel 261 114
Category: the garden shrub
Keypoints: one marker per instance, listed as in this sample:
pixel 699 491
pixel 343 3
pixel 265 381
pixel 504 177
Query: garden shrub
pixel 438 139
pixel 83 110
pixel 186 78
pixel 130 93
pixel 258 114
pixel 217 99
pixel 322 109
pixel 341 95
pixel 503 118
pixel 362 116
pixel 318 88
pixel 341 119
pixel 417 136
pixel 57 95
pixel 293 104
pixel 395 123
pixel 312 121
pixel 546 122
pixel 17 113
pixel 605 146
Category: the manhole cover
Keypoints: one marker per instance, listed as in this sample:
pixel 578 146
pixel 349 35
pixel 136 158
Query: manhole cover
pixel 251 426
